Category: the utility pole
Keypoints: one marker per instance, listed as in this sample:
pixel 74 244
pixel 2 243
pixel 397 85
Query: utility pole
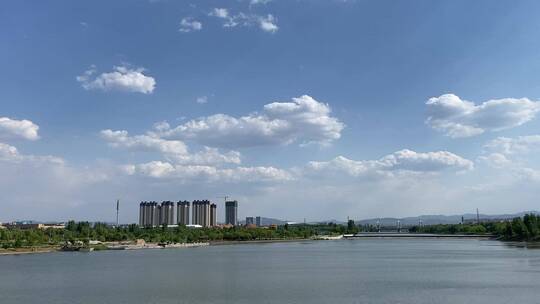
pixel 117 211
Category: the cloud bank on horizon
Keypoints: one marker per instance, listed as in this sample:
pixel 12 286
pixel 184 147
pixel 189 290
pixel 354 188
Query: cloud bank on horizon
pixel 290 127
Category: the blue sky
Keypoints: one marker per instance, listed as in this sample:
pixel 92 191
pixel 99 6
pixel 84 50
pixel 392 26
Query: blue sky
pixel 316 109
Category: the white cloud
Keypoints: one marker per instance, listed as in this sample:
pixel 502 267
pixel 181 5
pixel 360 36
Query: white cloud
pixel 304 120
pixel 530 174
pixel 400 161
pixel 517 145
pixel 208 156
pixel 219 12
pixel 189 24
pixel 10 153
pixel 460 118
pixel 190 173
pixel 266 23
pixel 173 150
pixel 122 78
pixel 122 139
pixel 11 128
pixel 255 2
pixel 495 160
pixel 202 99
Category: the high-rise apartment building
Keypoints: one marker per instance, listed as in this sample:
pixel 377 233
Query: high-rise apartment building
pixel 213 215
pixel 167 213
pixel 258 221
pixel 231 212
pixel 149 214
pixel 182 213
pixel 249 220
pixel 201 213
pixel 141 214
pixel 152 214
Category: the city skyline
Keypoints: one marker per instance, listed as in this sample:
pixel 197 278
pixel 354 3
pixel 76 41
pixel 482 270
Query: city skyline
pixel 304 109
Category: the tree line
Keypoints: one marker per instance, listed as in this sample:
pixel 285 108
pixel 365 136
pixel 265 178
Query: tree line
pixel 526 228
pixel 85 231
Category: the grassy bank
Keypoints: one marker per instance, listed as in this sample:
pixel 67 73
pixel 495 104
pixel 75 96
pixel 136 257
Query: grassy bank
pixel 84 232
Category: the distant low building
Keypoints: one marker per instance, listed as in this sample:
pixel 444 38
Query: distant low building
pixel 33 226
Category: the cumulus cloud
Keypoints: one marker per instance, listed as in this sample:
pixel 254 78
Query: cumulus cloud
pixel 530 174
pixel 517 145
pixel 495 160
pixel 12 128
pixel 122 78
pixel 400 161
pixel 202 99
pixel 189 24
pixel 460 118
pixel 304 120
pixel 10 153
pixel 165 170
pixel 173 150
pixel 122 139
pixel 266 23
pixel 220 13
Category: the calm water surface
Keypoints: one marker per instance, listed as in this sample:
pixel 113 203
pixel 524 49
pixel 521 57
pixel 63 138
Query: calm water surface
pixel 355 271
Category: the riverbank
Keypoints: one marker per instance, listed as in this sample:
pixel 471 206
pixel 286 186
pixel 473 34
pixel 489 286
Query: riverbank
pixel 134 246
pixel 154 246
pixel 219 243
pixel 17 251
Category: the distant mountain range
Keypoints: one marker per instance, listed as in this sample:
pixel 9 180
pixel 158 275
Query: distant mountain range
pixel 440 219
pixel 391 221
pixel 408 221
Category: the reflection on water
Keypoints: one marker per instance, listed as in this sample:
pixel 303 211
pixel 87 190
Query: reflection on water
pixel 345 271
pixel 527 245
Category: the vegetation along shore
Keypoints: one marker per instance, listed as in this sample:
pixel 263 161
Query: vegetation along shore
pixel 100 236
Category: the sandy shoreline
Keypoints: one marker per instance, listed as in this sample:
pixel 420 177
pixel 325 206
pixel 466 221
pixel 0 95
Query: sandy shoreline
pixel 220 243
pixel 20 251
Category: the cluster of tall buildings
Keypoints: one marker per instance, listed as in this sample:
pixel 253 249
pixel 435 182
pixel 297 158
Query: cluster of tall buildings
pixel 204 213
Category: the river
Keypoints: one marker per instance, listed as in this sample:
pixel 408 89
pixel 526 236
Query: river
pixel 343 271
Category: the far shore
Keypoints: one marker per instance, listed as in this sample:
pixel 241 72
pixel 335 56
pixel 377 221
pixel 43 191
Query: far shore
pixel 219 243
pixel 34 250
